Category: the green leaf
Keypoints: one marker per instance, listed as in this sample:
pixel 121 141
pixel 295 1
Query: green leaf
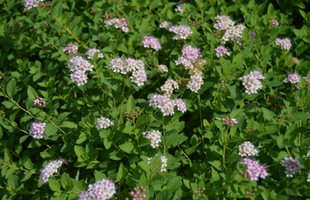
pixel 57 10
pixel 11 87
pixel 66 181
pixel 81 153
pixel 162 195
pixel 268 115
pixel 50 129
pixel 121 172
pixel 32 94
pixel 127 147
pixel 143 120
pixel 62 117
pixel 92 152
pixel 299 116
pixel 174 184
pixel 54 185
pixel 130 104
pixel 270 9
pixel 7 156
pixel 274 83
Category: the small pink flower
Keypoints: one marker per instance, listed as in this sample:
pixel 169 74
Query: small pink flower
pixel 220 50
pixel 273 23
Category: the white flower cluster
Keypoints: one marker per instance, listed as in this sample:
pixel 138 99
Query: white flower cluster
pixel 232 32
pixel 91 52
pixel 163 163
pixel 247 149
pixel 103 190
pixel 31 3
pixel 103 122
pixel 179 8
pixel 252 82
pixel 181 31
pixel 167 105
pixel 37 129
pixel 154 137
pixel 168 87
pixel 162 68
pixel 130 65
pixel 49 169
pixel 78 65
pixel 292 78
pixel 284 43
pixel 195 83
pixel 291 166
pixel 118 23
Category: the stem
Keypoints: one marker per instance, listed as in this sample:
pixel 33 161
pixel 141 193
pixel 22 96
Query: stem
pixel 49 119
pixel 184 154
pixel 69 31
pixel 200 113
pixel 116 44
pixel 134 124
pixel 282 141
pixel 164 134
pixel 53 44
pixel 120 117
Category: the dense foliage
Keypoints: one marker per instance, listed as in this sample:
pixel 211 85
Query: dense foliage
pixel 154 99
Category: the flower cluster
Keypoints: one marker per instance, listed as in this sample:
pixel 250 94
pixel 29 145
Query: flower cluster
pixel 44 5
pixel 37 129
pixel 103 189
pixel 179 8
pixel 162 68
pixel 233 32
pixel 190 53
pixel 167 105
pixel 273 23
pixel 163 163
pixel 130 65
pixel 151 42
pixel 292 78
pixel 247 149
pixel 284 43
pixel 254 169
pixel 91 52
pixel 71 48
pixel 78 65
pixel 154 136
pixel 49 169
pixel 39 101
pixel 31 3
pixel 103 122
pixel 118 23
pixel 200 191
pixel 181 31
pixel 230 121
pixel 291 166
pixel 251 82
pixel 224 84
pixel 195 83
pixel 220 50
pixel 168 87
pixel 137 193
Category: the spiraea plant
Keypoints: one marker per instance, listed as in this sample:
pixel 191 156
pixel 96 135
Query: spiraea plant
pixel 154 99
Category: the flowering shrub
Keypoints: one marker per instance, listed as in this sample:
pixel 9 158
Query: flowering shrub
pixel 156 99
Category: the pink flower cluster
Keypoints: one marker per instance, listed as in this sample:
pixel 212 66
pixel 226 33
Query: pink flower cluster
pixel 154 137
pixel 167 105
pixel 247 149
pixel 39 101
pixel 273 23
pixel 190 53
pixel 151 42
pixel 31 3
pixel 251 82
pixel 292 78
pixel 137 193
pixel 103 189
pixel 223 22
pixel 50 168
pixel 91 52
pixel 291 166
pixel 254 169
pixel 181 31
pixel 37 129
pixel 103 122
pixel 118 23
pixel 200 191
pixel 224 84
pixel 78 65
pixel 230 121
pixel 71 48
pixel 220 50
pixel 284 43
pixel 195 83
pixel 130 65
pixel 233 32
pixel 168 87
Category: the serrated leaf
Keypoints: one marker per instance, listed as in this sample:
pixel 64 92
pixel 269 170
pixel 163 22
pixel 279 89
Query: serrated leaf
pixel 54 185
pixel 11 87
pixel 130 104
pixel 121 172
pixel 32 94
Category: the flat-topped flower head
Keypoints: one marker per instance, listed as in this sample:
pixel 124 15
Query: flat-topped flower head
pixel 91 52
pixel 223 22
pixel 103 122
pixel 284 43
pixel 273 23
pixel 31 3
pixel 292 78
pixel 103 190
pixel 71 48
pixel 37 129
pixel 49 169
pixel 220 51
pixel 151 42
pixel 254 169
pixel 154 137
pixel 190 53
pixel 181 31
pixel 252 82
pixel 247 149
pixel 291 166
pixel 79 77
pixel 78 63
